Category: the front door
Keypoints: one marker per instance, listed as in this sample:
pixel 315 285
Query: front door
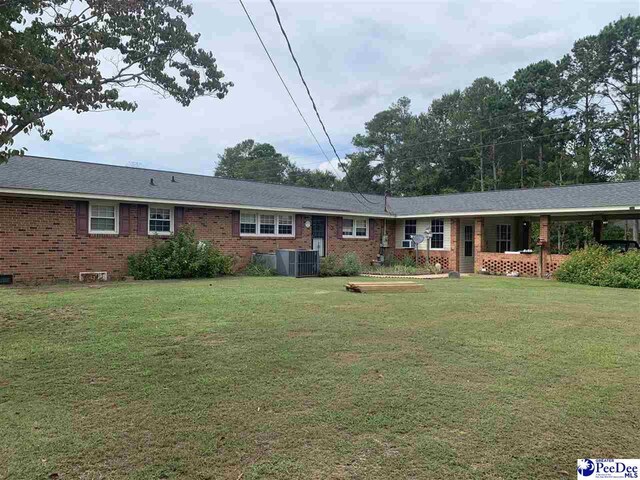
pixel 319 234
pixel 466 248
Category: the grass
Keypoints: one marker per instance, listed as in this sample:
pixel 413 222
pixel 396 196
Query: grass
pixel 246 378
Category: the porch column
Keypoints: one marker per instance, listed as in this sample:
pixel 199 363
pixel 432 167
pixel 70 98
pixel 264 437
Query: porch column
pixel 545 223
pixel 597 230
pixel 454 252
pixel 478 244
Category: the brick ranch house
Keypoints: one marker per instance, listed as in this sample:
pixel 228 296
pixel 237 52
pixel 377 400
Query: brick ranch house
pixel 60 217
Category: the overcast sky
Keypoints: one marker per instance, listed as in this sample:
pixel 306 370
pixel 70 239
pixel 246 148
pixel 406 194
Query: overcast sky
pixel 358 57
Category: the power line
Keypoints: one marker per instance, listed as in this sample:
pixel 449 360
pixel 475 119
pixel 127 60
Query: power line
pixel 284 84
pixel 315 108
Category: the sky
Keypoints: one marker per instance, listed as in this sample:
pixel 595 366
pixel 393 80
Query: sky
pixel 357 56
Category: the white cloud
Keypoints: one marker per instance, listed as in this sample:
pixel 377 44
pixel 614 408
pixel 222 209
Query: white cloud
pixel 358 57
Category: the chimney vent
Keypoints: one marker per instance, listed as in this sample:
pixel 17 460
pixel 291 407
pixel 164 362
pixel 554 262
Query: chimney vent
pixel 151 182
pixel 173 179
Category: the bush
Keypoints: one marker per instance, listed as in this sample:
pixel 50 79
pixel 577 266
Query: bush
pixel 351 265
pixel 333 266
pixel 597 265
pixel 179 257
pixel 329 266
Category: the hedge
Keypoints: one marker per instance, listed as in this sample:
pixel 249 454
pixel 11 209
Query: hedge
pixel 600 266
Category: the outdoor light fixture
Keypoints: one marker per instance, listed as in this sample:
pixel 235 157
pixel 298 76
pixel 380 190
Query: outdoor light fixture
pixel 307 224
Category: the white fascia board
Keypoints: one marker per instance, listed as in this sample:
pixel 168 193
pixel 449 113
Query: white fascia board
pixel 227 206
pixel 547 211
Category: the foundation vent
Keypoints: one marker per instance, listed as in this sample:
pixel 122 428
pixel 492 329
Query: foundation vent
pixel 92 277
pixel 6 279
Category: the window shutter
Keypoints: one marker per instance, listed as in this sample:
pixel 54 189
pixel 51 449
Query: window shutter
pixel 178 214
pixel 82 218
pixel 235 223
pixel 339 227
pixel 143 226
pixel 124 219
pixel 372 228
pixel 299 225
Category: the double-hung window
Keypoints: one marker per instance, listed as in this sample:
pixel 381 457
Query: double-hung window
pixel 160 220
pixel 410 228
pixel 248 223
pixel 266 224
pixel 503 238
pixel 355 228
pixel 103 218
pixel 437 233
pixel 285 224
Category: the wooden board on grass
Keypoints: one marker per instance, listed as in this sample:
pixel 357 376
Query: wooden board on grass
pixel 365 287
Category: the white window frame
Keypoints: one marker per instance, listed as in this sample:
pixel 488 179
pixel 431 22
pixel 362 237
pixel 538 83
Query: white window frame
pixel 433 234
pixel 275 233
pixel 255 223
pixel 353 228
pixel 116 211
pixel 415 225
pixel 171 220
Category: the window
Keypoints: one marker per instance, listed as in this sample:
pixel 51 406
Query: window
pixel 410 228
pixel 160 220
pixel 248 223
pixel 468 241
pixel 437 233
pixel 503 235
pixel 103 218
pixel 347 227
pixel 355 227
pixel 267 224
pixel 285 224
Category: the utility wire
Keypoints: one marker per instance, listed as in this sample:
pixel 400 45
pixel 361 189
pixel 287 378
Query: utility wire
pixel 315 108
pixel 284 84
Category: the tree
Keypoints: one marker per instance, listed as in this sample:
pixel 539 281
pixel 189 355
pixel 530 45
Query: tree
pixel 249 160
pixel 382 143
pixel 620 42
pixel 304 177
pixel 52 51
pixel 537 88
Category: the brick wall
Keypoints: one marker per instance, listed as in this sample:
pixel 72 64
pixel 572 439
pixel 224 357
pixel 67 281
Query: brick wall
pixel 38 241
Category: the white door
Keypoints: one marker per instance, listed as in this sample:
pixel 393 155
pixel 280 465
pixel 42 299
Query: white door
pixel 466 248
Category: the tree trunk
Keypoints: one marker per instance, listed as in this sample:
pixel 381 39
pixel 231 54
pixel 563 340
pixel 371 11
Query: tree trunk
pixel 481 165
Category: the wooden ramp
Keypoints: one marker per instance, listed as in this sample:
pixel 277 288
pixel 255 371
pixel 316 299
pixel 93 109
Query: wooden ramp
pixel 369 287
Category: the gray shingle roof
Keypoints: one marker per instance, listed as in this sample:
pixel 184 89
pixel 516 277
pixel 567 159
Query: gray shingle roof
pixel 611 194
pixel 71 177
pixel 38 173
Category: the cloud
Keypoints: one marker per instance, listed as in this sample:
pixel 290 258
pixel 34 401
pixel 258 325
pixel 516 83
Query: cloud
pixel 358 57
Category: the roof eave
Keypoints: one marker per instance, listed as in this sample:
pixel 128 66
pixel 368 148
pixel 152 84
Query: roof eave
pixel 229 206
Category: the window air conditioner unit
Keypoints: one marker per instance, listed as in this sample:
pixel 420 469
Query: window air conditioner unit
pixel 408 244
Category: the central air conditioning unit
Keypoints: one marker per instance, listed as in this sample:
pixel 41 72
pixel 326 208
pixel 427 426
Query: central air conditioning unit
pixel 408 244
pixel 298 263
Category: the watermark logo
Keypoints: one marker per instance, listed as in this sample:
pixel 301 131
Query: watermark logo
pixel 608 468
pixel 586 467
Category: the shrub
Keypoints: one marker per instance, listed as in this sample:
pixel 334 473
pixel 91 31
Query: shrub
pixel 351 265
pixel 623 271
pixel 333 266
pixel 180 257
pixel 329 266
pixel 597 265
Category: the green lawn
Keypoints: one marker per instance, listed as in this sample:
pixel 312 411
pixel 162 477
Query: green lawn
pixel 245 378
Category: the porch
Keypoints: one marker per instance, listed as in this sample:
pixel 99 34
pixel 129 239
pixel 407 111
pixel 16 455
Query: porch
pixel 533 246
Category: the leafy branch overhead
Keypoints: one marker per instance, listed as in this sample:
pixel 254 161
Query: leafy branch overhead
pixel 79 55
